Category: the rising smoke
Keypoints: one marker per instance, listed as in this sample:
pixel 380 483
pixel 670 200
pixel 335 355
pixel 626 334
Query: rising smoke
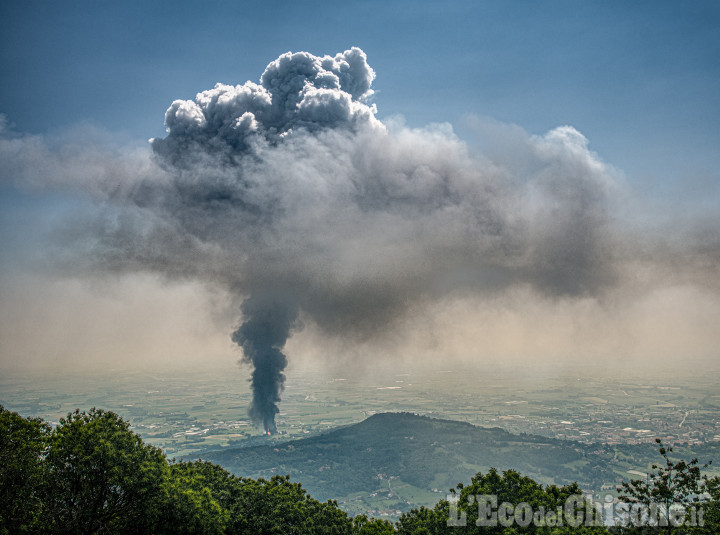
pixel 309 199
pixel 262 338
pixel 294 197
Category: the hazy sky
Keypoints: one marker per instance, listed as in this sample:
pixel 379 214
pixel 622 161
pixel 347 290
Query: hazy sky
pixel 581 139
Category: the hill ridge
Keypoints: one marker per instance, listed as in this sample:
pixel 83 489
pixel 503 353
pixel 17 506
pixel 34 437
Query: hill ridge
pixel 399 460
pixel 418 452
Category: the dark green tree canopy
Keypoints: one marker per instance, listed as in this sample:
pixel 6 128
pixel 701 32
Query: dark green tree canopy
pixel 22 443
pixel 93 474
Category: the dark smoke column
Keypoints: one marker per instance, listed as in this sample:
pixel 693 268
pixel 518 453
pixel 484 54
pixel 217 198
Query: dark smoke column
pixel 268 325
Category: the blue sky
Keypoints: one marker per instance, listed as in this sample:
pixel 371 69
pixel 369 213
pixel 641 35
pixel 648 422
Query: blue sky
pixel 640 79
pixel 84 83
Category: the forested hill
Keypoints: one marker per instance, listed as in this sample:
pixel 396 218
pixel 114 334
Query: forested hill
pixel 400 457
pixel 419 454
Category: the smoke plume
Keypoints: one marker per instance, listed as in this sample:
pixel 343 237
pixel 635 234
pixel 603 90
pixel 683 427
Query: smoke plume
pixel 302 194
pixel 293 196
pixel 262 338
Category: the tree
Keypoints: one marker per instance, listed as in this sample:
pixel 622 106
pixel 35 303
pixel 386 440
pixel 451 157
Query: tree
pixel 426 521
pixel 667 494
pixel 710 507
pixel 511 504
pixel 22 442
pixel 92 474
pixel 362 525
pixel 204 498
pixel 278 505
pixel 100 477
pixel 197 499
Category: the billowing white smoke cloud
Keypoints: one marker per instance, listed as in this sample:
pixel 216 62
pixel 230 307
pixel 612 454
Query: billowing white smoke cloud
pixel 296 196
pixel 296 91
pixel 291 194
pixel 295 184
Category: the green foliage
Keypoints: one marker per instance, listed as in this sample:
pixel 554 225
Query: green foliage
pixel 92 474
pixel 100 476
pixel 672 484
pixel 426 521
pixel 362 525
pixel 22 441
pixel 711 508
pixel 198 498
pixel 281 506
pixel 511 488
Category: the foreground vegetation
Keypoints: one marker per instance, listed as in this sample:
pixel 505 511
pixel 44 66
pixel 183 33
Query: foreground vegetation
pixel 93 474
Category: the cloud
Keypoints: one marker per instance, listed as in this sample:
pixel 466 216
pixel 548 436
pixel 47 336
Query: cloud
pixel 296 91
pixel 292 196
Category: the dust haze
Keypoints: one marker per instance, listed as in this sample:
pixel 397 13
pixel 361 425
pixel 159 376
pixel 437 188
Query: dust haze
pixel 369 239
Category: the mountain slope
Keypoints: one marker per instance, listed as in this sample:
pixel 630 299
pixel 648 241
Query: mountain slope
pixel 390 452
